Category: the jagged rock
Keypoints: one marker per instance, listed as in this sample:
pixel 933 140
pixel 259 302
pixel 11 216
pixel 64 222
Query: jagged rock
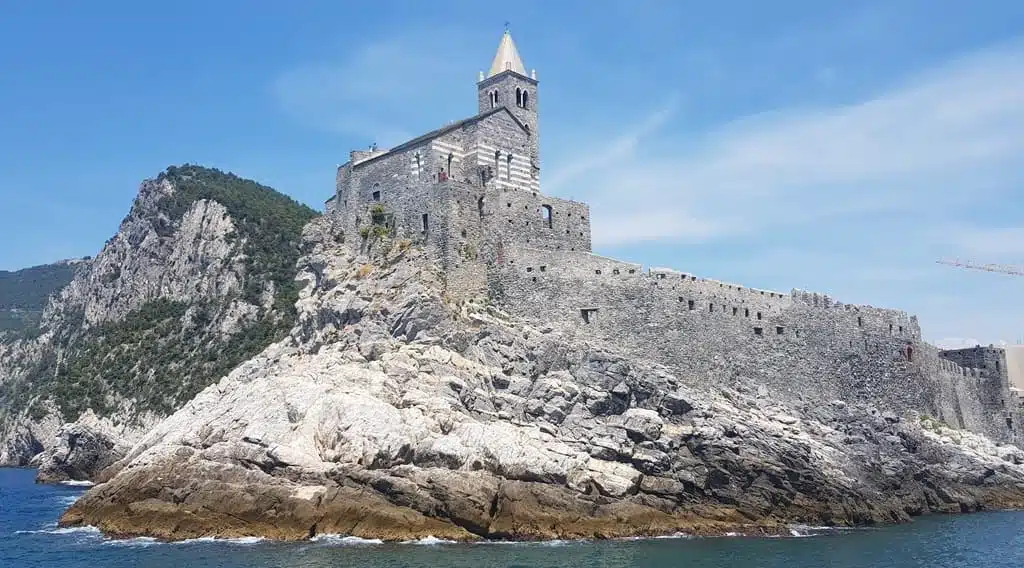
pixel 403 443
pixel 82 451
pixel 195 269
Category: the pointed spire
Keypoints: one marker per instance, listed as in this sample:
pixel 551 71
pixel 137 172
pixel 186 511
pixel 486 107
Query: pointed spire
pixel 507 58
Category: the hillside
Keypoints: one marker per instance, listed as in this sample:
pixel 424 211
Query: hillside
pixel 24 293
pixel 199 278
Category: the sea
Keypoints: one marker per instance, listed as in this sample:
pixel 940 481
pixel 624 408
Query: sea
pixel 30 538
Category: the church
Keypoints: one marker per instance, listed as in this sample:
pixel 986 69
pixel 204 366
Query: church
pixel 470 188
pixel 469 195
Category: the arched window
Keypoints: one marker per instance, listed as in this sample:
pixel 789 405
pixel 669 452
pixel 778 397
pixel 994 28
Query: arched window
pixel 526 99
pixel 419 165
pixel 546 214
pixel 519 97
pixel 450 156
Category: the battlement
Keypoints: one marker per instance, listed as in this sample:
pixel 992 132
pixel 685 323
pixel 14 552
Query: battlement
pixel 470 193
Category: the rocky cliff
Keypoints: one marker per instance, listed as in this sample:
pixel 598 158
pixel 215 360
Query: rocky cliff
pixel 199 277
pixel 392 411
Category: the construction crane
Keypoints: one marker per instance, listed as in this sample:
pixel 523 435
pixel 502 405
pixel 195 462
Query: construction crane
pixel 1000 268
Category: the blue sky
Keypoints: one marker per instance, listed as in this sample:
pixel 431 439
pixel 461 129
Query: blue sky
pixel 839 147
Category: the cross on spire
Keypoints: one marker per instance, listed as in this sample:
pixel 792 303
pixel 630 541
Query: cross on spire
pixel 507 58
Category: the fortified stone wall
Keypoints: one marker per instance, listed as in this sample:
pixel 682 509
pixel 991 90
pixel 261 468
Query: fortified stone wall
pixel 800 345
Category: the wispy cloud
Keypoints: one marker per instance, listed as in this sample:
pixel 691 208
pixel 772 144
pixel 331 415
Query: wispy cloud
pixel 944 136
pixel 383 91
pixel 990 244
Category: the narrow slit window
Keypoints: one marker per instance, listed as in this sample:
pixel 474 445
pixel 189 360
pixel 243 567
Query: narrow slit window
pixel 426 224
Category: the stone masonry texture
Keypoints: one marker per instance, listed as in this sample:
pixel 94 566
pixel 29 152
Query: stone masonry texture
pixel 470 194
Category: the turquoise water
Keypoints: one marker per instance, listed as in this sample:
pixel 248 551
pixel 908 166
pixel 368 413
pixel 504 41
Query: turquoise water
pixel 29 539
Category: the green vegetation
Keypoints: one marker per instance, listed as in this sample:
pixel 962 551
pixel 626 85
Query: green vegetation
pixel 270 222
pixel 24 293
pixel 163 353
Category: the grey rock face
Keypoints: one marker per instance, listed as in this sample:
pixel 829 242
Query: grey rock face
pixel 81 451
pixel 458 414
pixel 175 290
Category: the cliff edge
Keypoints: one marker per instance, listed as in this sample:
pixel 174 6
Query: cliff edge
pixel 393 411
pixel 198 278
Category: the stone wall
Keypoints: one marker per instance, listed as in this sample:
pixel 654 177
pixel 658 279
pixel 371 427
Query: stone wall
pixel 801 346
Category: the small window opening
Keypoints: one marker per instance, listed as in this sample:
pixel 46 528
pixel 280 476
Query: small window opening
pixel 509 204
pixel 910 353
pixel 508 167
pixel 526 99
pixel 860 321
pixel 529 269
pixel 376 195
pixel 890 329
pixel 779 329
pixel 480 206
pixel 997 365
pixel 797 333
pixel 426 225
pixel 543 268
pixel 534 278
pixel 464 234
pixel 632 271
pixel 690 304
pixel 758 331
pixel 758 315
pixel 711 307
pixel 450 157
pixel 546 215
pixel 519 97
pixel 746 312
pixel 901 329
pixel 597 271
pixel 615 271
pixel 588 314
pixel 735 311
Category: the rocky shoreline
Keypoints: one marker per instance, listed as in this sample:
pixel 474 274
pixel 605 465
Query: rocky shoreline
pixel 392 412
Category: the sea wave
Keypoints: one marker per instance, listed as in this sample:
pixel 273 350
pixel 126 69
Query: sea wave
pixel 77 483
pixel 429 540
pixel 216 540
pixel 54 529
pixel 343 540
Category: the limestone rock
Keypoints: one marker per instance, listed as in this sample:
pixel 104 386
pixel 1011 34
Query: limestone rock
pixel 391 412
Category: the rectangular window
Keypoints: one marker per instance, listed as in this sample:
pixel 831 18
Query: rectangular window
pixel 690 304
pixel 735 311
pixel 758 331
pixel 588 314
pixel 711 307
pixel 376 196
pixel 779 329
pixel 758 315
pixel 426 225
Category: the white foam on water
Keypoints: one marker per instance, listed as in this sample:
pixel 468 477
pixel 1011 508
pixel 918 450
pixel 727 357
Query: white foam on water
pixel 215 540
pixel 53 529
pixel 67 500
pixel 343 540
pixel 141 542
pixel 429 540
pixel 77 483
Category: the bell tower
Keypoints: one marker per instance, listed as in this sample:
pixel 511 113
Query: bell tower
pixel 508 85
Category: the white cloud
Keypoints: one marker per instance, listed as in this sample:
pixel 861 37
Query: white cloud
pixel 990 244
pixel 939 139
pixel 385 91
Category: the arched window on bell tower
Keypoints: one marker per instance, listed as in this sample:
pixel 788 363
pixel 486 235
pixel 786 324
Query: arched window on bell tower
pixel 519 97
